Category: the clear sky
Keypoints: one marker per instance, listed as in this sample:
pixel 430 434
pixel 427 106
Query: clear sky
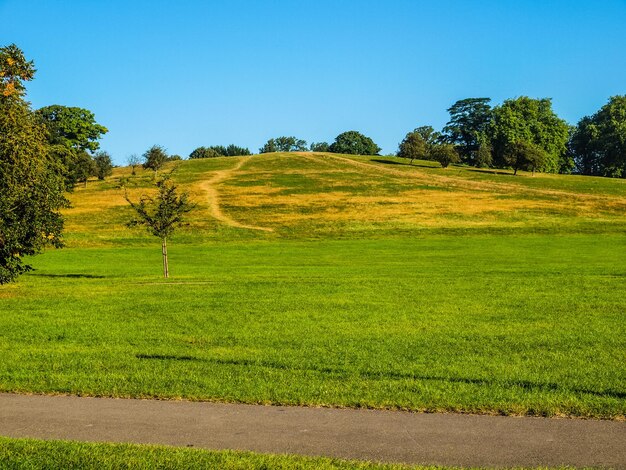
pixel 189 73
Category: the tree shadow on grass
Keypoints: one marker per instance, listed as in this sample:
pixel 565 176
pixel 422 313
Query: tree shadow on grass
pixel 165 357
pixel 391 162
pixel 493 172
pixel 69 276
pixel 394 375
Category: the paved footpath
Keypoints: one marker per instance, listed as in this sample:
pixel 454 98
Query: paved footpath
pixel 418 438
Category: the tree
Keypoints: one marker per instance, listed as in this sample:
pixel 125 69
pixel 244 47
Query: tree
pixel 72 133
pixel 469 121
pixel 72 127
pixel 162 214
pixel 354 143
pixel 531 121
pixel 483 156
pixel 31 188
pixel 154 158
pixel 319 146
pixel 418 143
pixel 444 154
pixel 235 151
pixel 84 168
pixel 133 162
pixel 523 155
pixel 103 165
pixel 598 142
pixel 204 152
pixel 284 144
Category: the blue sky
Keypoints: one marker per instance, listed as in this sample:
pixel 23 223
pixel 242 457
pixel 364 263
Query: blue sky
pixel 190 73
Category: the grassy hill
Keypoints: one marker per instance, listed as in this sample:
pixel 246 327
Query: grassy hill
pixel 333 280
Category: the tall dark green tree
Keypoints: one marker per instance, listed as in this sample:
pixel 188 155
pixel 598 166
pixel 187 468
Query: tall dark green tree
pixel 533 122
pixel 599 141
pixel 161 214
pixel 354 143
pixel 31 188
pixel 468 124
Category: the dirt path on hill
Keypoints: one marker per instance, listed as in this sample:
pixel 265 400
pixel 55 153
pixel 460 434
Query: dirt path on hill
pixel 210 187
pixel 386 436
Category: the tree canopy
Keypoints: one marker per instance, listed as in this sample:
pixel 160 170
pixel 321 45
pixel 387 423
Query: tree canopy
pixel 354 143
pixel 31 187
pixel 599 141
pixel 467 127
pixel 533 122
pixel 284 144
pixel 154 158
pixel 162 214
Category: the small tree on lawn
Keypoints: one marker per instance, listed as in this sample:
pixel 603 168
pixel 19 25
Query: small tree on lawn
pixel 161 214
pixel 444 154
pixel 154 158
pixel 133 162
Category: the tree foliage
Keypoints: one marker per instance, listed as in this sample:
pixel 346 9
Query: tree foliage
pixel 598 142
pixel 467 127
pixel 204 152
pixel 31 188
pixel 73 134
pixel 417 144
pixel 219 151
pixel 533 122
pixel 444 153
pixel 103 165
pixel 319 147
pixel 354 143
pixel 154 158
pixel 284 144
pixel 523 155
pixel 162 214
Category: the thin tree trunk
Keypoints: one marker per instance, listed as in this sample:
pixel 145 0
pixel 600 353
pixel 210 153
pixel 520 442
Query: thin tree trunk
pixel 166 271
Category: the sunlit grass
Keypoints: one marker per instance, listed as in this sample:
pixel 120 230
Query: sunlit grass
pixel 432 291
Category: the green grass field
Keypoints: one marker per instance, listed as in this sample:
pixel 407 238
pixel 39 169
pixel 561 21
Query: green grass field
pixel 376 284
pixel 31 454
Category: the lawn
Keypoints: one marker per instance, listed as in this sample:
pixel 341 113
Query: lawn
pixel 34 454
pixel 353 300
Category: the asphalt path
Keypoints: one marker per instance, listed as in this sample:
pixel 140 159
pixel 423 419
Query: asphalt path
pixel 386 436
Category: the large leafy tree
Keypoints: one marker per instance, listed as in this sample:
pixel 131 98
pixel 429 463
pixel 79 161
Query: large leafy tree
pixel 533 122
pixel 162 214
pixel 73 134
pixel 468 124
pixel 354 143
pixel 31 188
pixel 284 144
pixel 599 141
pixel 418 143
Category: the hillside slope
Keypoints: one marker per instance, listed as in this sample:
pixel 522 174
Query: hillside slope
pixel 310 195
